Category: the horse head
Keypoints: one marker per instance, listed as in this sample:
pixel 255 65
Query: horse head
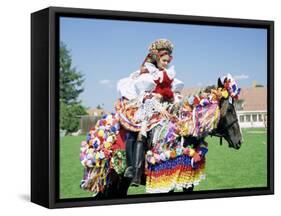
pixel 228 125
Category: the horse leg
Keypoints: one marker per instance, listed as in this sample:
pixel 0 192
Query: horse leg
pixel 100 195
pixel 113 184
pixel 117 186
pixel 124 186
pixel 188 190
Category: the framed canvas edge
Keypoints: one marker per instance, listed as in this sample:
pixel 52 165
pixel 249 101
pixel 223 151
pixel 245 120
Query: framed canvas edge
pixel 55 12
pixel 39 187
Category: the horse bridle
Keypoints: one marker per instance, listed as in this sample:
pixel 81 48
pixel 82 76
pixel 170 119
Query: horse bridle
pixel 222 135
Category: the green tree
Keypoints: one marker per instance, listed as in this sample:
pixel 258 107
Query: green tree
pixel 71 82
pixel 70 116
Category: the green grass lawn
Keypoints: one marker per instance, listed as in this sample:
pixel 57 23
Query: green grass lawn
pixel 226 168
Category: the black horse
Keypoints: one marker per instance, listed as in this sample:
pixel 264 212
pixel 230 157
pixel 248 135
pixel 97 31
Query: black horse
pixel 227 128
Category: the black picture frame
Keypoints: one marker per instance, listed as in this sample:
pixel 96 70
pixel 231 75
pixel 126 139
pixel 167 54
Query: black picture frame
pixel 45 104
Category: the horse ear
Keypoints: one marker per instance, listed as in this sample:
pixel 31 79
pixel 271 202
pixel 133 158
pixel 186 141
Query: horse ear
pixel 220 84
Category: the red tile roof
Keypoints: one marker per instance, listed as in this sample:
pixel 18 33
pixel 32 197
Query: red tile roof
pixel 255 98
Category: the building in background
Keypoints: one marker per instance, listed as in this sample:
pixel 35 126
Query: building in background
pixel 89 121
pixel 96 112
pixel 252 107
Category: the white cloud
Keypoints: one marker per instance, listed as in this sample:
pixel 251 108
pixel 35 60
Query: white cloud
pixel 104 82
pixel 241 76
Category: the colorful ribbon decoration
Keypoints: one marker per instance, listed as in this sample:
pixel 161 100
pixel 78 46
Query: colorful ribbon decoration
pixel 169 164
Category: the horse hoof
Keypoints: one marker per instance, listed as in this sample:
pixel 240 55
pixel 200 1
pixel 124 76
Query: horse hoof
pixel 134 184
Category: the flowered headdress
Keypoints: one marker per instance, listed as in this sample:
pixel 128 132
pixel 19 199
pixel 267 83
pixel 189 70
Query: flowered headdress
pixel 231 86
pixel 159 48
pixel 161 44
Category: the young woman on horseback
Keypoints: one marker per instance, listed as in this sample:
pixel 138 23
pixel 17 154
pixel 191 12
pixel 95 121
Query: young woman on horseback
pixel 145 89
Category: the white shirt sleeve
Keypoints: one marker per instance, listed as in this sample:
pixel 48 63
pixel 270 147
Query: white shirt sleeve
pixel 126 86
pixel 134 85
pixel 144 83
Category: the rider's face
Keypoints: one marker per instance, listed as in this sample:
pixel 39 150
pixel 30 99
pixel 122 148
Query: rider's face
pixel 163 61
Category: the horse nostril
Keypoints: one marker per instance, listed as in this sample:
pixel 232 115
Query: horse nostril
pixel 239 144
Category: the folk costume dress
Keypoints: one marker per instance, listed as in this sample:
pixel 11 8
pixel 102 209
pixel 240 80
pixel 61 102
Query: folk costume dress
pixel 141 107
pixel 169 165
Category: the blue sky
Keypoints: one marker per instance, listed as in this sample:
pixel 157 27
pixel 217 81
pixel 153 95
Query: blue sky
pixel 107 50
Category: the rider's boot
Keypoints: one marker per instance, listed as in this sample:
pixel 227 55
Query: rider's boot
pixel 130 154
pixel 138 164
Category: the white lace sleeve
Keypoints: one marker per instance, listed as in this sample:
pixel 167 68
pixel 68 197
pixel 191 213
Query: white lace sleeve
pixel 135 74
pixel 126 86
pixel 144 83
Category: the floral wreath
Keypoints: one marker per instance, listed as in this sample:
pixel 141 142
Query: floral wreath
pixel 118 161
pixel 161 44
pixel 159 48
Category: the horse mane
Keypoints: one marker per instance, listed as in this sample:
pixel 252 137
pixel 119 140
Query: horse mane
pixel 209 88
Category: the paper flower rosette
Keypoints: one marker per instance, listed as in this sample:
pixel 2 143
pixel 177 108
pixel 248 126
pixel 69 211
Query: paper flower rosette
pixel 98 156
